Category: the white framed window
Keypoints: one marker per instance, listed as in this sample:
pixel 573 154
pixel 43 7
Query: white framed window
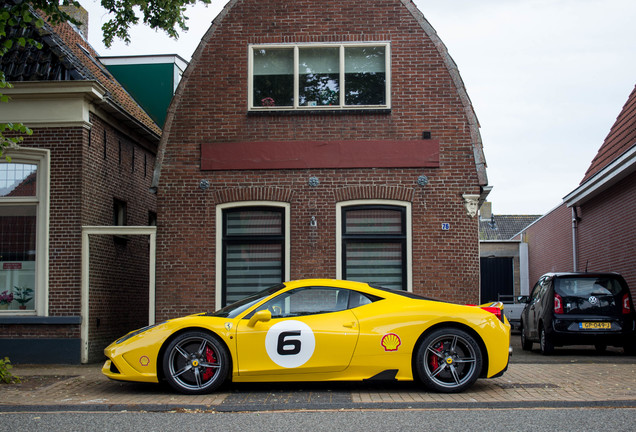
pixel 374 242
pixel 319 76
pixel 24 221
pixel 252 248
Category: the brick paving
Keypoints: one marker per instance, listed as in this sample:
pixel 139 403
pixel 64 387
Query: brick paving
pixel 65 387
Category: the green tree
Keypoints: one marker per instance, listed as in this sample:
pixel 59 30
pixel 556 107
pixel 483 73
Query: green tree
pixel 166 15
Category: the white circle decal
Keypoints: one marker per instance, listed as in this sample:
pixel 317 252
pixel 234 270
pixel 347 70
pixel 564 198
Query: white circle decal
pixel 290 343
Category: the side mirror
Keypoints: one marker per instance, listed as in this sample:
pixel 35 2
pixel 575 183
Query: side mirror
pixel 523 299
pixel 262 315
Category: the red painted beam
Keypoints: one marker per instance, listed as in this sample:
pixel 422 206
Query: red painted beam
pixel 250 155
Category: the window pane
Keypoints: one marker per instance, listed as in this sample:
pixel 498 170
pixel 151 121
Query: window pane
pixel 18 179
pixel 373 221
pixel 17 256
pixel 254 222
pixel 365 76
pixel 273 77
pixel 376 263
pixel 251 268
pixel 319 76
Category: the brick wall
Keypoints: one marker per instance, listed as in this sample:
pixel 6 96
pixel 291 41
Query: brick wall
pixel 607 240
pixel 211 106
pixel 84 180
pixel 550 244
pixel 119 266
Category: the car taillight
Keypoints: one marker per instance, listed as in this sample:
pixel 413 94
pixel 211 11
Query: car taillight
pixel 626 306
pixel 558 304
pixel 497 311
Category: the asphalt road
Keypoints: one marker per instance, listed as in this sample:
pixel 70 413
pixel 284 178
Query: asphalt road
pixel 474 420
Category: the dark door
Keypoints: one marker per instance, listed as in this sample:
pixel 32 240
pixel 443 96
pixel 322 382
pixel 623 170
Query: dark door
pixel 496 279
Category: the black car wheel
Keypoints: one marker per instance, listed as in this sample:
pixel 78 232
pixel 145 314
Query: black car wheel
pixel 195 363
pixel 547 347
pixel 629 348
pixel 600 347
pixel 449 360
pixel 526 344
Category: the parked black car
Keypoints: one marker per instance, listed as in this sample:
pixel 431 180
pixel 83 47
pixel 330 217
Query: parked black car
pixel 579 309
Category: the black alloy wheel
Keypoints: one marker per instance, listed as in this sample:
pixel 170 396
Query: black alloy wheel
pixel 547 347
pixel 449 360
pixel 196 363
pixel 526 344
pixel 600 348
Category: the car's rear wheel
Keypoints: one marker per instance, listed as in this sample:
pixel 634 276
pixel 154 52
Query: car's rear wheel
pixel 629 348
pixel 195 363
pixel 526 344
pixel 600 347
pixel 449 360
pixel 547 347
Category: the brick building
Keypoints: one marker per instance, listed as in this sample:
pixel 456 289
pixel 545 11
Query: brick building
pixel 318 139
pixel 593 228
pixel 89 162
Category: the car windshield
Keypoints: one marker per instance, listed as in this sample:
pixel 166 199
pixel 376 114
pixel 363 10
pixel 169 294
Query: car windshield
pixel 234 309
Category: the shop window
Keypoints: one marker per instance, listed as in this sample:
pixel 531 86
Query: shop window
pixel 315 76
pixel 23 237
pixel 253 250
pixel 374 245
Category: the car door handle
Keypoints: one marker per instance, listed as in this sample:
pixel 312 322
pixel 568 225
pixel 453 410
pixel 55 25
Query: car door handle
pixel 349 324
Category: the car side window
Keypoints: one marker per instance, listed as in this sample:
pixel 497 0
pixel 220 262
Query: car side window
pixel 313 300
pixel 535 291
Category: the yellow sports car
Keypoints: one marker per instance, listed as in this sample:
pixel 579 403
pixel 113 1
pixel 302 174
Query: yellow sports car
pixel 319 330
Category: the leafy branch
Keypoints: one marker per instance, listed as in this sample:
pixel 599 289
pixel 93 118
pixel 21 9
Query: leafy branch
pixel 166 15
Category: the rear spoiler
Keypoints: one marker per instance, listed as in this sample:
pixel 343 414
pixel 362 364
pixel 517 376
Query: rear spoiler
pixel 495 308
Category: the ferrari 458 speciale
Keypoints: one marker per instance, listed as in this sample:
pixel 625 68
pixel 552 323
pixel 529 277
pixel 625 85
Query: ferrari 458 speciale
pixel 319 330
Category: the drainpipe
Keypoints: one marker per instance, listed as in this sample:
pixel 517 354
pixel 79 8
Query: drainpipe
pixel 575 220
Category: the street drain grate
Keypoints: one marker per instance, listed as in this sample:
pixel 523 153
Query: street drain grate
pixel 506 386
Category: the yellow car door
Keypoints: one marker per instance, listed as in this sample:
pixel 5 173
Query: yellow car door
pixel 313 343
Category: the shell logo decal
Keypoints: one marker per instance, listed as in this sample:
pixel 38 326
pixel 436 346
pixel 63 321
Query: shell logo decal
pixel 144 360
pixel 391 342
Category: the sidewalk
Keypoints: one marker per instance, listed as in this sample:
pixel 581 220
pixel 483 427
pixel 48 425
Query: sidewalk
pixel 566 381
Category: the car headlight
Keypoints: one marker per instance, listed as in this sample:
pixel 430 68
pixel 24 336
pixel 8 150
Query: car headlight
pixel 136 332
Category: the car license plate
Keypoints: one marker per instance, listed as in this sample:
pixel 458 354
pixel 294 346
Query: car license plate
pixel 595 325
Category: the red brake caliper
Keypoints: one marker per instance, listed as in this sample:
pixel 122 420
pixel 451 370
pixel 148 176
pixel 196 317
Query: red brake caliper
pixel 434 360
pixel 210 358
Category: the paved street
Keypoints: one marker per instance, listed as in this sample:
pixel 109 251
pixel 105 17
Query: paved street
pixel 577 377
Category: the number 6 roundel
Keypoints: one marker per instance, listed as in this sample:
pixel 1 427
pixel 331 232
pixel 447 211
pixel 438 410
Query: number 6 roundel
pixel 290 344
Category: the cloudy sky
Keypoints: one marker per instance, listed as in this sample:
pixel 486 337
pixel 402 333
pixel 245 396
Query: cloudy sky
pixel 547 79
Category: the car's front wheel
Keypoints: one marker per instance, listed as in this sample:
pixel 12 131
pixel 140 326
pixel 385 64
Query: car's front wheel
pixel 526 344
pixel 448 360
pixel 195 363
pixel 547 347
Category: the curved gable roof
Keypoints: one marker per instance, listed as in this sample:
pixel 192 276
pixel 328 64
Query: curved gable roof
pixel 217 24
pixel 478 149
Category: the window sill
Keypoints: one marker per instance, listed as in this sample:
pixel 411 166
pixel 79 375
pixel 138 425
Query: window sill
pixel 319 112
pixel 55 320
